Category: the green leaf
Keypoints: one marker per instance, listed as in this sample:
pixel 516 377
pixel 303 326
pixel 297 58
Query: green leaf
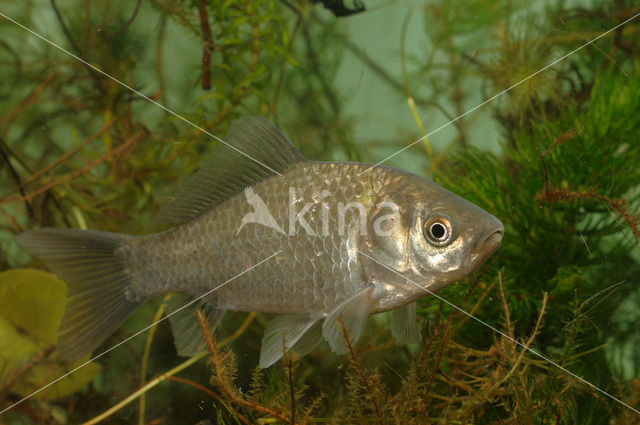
pixel 44 373
pixel 32 303
pixel 33 300
pixel 15 347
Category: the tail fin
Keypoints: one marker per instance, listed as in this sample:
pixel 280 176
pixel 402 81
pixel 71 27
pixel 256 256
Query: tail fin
pixel 92 264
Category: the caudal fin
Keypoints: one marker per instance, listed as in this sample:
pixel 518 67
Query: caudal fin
pixel 92 264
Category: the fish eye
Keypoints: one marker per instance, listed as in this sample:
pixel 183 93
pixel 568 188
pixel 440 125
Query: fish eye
pixel 438 230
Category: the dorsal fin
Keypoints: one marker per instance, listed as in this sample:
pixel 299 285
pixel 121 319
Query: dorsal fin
pixel 255 150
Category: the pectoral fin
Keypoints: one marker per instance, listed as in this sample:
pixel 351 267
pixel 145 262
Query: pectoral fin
pixel 285 332
pixel 352 314
pixel 404 324
pixel 187 333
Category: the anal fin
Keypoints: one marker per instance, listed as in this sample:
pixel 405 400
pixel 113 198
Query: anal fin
pixel 187 333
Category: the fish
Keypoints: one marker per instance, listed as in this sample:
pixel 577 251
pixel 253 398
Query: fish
pixel 323 245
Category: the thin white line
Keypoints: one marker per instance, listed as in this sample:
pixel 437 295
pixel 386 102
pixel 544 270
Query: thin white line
pixel 504 335
pixel 137 92
pixel 137 333
pixel 503 92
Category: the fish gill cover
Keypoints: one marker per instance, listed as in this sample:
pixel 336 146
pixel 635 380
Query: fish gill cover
pixel 553 154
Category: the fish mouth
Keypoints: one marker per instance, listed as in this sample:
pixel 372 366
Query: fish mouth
pixel 488 244
pixel 493 240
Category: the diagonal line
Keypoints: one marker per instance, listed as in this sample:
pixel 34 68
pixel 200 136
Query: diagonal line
pixel 138 333
pixel 547 359
pixel 504 91
pixel 175 114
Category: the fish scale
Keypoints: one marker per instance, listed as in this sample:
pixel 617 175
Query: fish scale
pixel 214 253
pixel 288 280
pixel 240 242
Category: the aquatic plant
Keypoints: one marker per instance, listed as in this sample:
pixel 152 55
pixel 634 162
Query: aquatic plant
pixel 81 150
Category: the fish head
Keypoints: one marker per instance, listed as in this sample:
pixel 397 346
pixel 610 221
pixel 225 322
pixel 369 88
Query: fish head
pixel 436 239
pixel 450 237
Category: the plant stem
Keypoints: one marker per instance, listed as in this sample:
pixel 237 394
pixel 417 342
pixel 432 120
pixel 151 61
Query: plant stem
pixel 155 381
pixel 145 356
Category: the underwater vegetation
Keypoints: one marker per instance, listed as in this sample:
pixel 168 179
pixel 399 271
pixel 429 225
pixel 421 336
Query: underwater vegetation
pixel 555 336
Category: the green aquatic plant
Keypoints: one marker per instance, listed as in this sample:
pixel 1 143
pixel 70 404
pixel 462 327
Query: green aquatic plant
pixel 32 303
pixel 80 150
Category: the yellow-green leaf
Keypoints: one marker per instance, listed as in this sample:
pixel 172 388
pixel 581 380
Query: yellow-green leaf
pixel 34 301
pixel 15 348
pixel 44 373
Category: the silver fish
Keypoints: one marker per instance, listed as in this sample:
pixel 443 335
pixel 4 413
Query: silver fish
pixel 349 240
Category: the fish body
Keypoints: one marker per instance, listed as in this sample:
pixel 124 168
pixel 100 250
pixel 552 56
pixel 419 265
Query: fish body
pixel 341 241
